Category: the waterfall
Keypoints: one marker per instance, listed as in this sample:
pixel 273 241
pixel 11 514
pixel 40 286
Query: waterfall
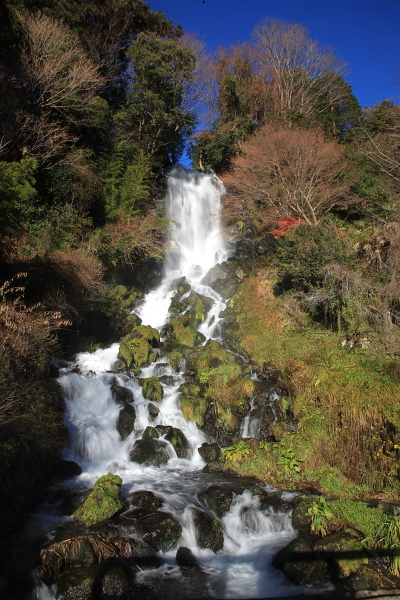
pixel 242 568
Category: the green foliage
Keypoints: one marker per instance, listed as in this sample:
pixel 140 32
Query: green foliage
pixel 17 191
pixel 126 176
pixel 320 516
pixel 205 374
pixel 237 452
pixel 287 459
pixel 302 254
pixel 388 534
pixel 154 110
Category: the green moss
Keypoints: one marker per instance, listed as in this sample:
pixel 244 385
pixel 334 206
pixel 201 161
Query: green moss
pixel 194 408
pixel 136 347
pixel 152 389
pixel 346 402
pixel 182 332
pixel 102 502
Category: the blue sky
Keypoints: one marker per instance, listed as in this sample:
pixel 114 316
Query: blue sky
pixel 364 33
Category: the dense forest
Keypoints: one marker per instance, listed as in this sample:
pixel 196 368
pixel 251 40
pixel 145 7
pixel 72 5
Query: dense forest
pixel 97 101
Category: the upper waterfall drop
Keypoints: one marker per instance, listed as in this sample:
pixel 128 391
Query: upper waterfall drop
pixel 193 205
pixel 195 244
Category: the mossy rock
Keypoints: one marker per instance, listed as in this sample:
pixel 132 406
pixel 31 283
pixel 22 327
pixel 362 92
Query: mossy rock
pixel 194 408
pixel 136 347
pixel 183 333
pixel 103 501
pixel 150 433
pixel 176 438
pixel 208 531
pixel 152 389
pixel 346 549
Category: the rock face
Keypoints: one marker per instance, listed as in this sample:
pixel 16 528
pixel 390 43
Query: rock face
pixel 102 502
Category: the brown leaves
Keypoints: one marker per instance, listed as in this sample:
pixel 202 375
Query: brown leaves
pixel 287 172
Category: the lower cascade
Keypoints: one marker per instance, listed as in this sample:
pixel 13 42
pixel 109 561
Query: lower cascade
pixel 192 533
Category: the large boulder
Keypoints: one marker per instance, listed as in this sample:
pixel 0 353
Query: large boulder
pixel 158 529
pixel 150 451
pixel 208 531
pixel 210 452
pixel 297 561
pixel 102 502
pixel 344 548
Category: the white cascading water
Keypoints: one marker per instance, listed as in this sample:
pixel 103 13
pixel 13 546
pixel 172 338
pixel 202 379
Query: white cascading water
pixel 242 569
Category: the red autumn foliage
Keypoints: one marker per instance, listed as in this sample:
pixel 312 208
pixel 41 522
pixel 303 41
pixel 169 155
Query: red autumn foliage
pixel 284 223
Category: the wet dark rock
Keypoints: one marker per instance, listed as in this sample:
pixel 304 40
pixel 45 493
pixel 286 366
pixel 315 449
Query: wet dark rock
pixel 210 452
pixel 176 438
pixel 153 409
pixel 150 433
pixel 208 531
pixel 150 452
pixel 185 558
pixel 77 583
pixel 372 577
pixel 126 420
pixel 158 529
pixel 145 499
pixel 217 499
pixel 168 380
pixel 64 469
pixel 267 499
pixel 121 394
pixel 297 561
pixel 300 520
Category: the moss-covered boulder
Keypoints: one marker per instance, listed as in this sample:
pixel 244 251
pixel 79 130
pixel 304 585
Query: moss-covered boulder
pixel 176 438
pixel 136 347
pixel 152 389
pixel 183 333
pixel 345 548
pixel 102 502
pixel 208 531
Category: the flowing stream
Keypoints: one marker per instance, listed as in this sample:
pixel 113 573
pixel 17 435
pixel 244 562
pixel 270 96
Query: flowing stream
pixel 242 569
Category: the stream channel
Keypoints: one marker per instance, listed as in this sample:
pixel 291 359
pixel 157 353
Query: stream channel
pixel 251 535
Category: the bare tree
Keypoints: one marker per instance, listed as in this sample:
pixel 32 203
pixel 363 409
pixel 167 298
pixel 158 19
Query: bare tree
pixel 286 171
pixel 59 82
pixel 296 65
